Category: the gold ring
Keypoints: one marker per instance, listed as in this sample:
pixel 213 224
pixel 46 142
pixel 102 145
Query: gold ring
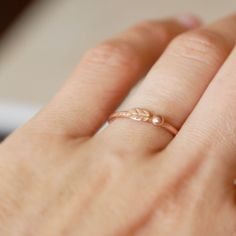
pixel 144 115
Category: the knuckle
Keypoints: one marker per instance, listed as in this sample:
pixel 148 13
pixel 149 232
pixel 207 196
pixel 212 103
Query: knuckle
pixel 202 45
pixel 118 54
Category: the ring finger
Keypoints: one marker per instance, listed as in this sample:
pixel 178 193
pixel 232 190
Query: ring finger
pixel 175 84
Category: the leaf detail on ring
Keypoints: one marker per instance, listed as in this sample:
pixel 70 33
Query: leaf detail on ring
pixel 139 114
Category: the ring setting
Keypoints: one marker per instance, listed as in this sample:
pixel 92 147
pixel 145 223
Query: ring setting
pixel 144 115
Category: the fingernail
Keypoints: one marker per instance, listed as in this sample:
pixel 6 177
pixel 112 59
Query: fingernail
pixel 189 21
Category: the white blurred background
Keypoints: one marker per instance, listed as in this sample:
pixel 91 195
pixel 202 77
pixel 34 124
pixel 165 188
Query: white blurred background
pixel 41 49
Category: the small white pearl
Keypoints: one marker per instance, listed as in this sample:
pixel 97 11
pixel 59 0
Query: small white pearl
pixel 156 120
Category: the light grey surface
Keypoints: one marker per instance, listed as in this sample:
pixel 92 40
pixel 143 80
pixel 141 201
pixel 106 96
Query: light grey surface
pixel 13 115
pixel 44 47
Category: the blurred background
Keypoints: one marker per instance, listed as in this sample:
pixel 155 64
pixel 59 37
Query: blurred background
pixel 41 42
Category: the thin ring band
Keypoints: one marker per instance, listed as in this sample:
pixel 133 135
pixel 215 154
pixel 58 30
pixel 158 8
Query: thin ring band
pixel 144 115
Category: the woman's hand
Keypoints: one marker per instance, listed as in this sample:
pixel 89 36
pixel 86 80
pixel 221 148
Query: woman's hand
pixel 59 176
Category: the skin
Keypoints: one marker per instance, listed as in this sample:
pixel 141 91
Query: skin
pixel 60 176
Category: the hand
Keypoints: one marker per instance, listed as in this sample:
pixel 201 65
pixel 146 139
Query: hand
pixel 60 176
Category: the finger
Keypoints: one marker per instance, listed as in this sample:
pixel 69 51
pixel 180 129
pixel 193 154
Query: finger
pixel 105 76
pixel 212 125
pixel 175 84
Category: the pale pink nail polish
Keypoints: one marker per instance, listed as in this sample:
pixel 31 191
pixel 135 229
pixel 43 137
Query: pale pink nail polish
pixel 189 21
